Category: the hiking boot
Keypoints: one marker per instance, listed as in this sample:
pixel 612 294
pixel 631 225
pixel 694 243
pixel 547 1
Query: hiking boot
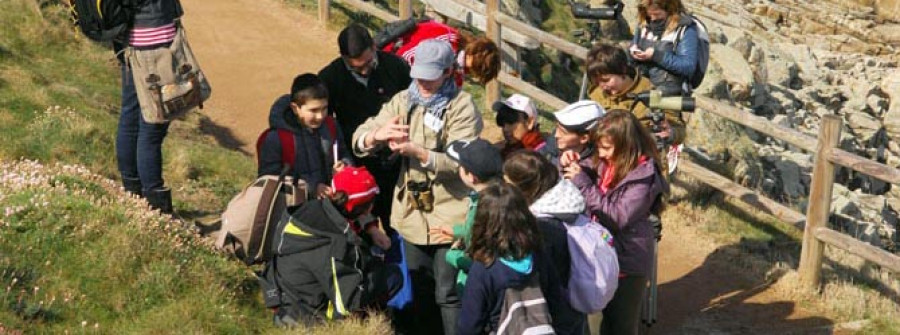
pixel 132 185
pixel 161 199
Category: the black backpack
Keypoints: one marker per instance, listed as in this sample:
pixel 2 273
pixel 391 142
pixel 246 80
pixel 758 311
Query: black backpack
pixel 394 30
pixel 105 20
pixel 702 51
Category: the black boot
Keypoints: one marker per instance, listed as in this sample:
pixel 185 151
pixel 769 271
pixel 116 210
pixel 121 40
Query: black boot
pixel 161 199
pixel 132 185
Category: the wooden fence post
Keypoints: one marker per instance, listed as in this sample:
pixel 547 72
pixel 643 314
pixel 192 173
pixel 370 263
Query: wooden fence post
pixel 405 9
pixel 819 202
pixel 492 89
pixel 324 11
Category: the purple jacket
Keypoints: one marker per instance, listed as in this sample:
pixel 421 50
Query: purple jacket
pixel 624 210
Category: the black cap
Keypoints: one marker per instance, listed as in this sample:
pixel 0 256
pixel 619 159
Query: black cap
pixel 478 156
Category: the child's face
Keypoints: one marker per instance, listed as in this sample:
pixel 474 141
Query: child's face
pixel 311 113
pixel 514 132
pixel 467 178
pixel 613 83
pixel 569 140
pixel 605 149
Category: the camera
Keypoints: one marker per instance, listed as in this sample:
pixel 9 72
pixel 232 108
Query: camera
pixel 582 10
pixel 420 195
pixel 654 99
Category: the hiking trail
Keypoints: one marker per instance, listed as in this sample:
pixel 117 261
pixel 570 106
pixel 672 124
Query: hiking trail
pixel 252 49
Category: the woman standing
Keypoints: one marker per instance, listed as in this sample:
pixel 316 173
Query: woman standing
pixel 665 45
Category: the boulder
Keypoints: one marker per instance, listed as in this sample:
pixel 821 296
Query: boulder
pixel 736 71
pixel 789 174
pixel 862 124
pixel 891 88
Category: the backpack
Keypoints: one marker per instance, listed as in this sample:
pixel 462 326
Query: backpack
pixel 104 21
pixel 594 266
pixel 250 219
pixel 525 311
pixel 288 146
pixel 394 30
pixel 702 51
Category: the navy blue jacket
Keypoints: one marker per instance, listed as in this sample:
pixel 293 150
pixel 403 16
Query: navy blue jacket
pixel 313 148
pixel 485 288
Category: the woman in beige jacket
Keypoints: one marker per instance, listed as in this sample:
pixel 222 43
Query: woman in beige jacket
pixel 417 125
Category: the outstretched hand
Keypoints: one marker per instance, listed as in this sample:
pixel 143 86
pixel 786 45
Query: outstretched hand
pixel 391 131
pixel 568 157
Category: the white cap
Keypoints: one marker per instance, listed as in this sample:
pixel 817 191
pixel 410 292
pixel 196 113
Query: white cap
pixel 581 116
pixel 520 103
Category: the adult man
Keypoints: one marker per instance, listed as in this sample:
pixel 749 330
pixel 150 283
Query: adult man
pixel 359 82
pixel 418 124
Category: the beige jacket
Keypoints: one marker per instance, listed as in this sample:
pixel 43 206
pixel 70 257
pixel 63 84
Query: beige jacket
pixel 462 121
pixel 624 101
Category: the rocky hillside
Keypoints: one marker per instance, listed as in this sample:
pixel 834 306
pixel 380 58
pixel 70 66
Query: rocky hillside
pixel 794 61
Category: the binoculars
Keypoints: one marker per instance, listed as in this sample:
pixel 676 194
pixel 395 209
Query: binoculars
pixel 420 195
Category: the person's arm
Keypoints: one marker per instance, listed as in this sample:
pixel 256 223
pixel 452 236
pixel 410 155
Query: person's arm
pixel 475 310
pixel 388 111
pixel 270 162
pixel 634 203
pixel 344 154
pixel 683 60
pixel 457 259
pixel 464 123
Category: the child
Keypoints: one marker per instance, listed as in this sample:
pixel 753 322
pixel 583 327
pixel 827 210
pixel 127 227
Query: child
pixel 300 120
pixel 576 130
pixel 517 116
pixel 555 203
pixel 626 193
pixel 317 272
pixel 479 163
pixel 506 249
pixel 616 83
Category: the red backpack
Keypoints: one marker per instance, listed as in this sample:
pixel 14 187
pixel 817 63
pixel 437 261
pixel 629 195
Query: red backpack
pixel 288 147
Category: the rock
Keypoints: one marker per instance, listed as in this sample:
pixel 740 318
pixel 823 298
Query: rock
pixel 736 71
pixel 891 120
pixel 789 174
pixel 888 10
pixel 782 120
pixel 863 125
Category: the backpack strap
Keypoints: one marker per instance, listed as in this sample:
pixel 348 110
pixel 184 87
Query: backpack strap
pixel 285 138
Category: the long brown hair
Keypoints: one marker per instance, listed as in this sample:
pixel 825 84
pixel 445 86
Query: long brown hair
pixel 630 141
pixel 531 173
pixel 504 227
pixel 672 7
pixel 485 57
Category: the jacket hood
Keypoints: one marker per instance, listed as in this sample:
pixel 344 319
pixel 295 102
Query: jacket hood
pixel 563 200
pixel 279 113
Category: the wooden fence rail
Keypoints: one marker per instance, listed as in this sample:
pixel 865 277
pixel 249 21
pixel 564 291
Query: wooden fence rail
pixel 827 154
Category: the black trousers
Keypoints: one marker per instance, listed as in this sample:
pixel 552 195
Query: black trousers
pixel 623 313
pixel 436 303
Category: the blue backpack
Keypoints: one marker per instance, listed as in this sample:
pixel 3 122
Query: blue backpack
pixel 595 266
pixel 702 51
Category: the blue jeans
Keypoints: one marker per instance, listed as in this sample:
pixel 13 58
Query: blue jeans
pixel 138 144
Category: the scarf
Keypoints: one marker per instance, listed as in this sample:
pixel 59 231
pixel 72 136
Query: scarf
pixel 606 177
pixel 436 103
pixel 657 27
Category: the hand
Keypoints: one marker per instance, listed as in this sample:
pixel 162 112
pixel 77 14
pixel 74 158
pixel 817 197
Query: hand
pixel 666 130
pixel 379 237
pixel 338 166
pixel 323 191
pixel 391 131
pixel 458 244
pixel 642 55
pixel 441 234
pixel 409 149
pixel 571 170
pixel 568 157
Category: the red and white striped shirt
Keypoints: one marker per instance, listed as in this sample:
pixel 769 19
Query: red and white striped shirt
pixel 148 37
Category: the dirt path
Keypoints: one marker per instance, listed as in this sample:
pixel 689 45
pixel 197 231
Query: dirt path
pixel 251 49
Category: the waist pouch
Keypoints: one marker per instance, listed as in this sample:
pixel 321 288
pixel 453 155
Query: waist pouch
pixel 168 79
